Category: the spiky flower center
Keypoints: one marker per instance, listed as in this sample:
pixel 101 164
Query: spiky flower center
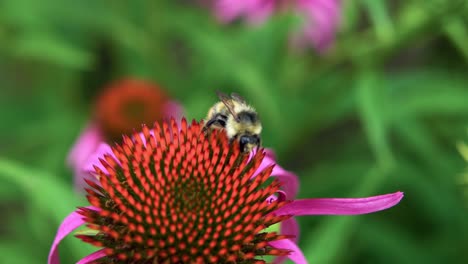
pixel 175 195
pixel 126 104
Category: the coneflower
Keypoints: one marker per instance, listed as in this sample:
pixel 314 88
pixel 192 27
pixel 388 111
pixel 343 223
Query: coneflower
pixel 175 195
pixel 320 18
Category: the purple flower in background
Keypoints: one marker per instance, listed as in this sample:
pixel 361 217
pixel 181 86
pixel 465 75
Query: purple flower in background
pixel 321 18
pixel 122 107
pixel 176 195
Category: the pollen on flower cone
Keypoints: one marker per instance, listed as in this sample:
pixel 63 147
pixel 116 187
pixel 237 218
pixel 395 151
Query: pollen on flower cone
pixel 127 104
pixel 180 196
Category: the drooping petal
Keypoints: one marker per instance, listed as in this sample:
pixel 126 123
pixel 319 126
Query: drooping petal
pixel 86 170
pixel 86 144
pixel 270 153
pixel 93 159
pixel 70 223
pixel 289 179
pixel 290 227
pixel 296 254
pixel 93 256
pixel 79 176
pixel 340 206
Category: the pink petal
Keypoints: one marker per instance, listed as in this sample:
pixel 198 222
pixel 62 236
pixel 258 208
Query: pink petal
pixel 173 109
pixel 288 227
pixel 84 146
pixel 289 179
pixel 93 159
pixel 326 16
pixel 278 196
pixel 270 153
pixel 79 176
pixel 296 254
pixel 321 21
pixel 340 206
pixel 256 11
pixel 70 223
pixel 228 10
pixel 259 11
pixel 87 143
pixel 94 256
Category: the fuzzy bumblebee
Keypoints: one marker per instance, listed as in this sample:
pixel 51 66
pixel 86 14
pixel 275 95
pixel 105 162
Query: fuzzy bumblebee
pixel 238 119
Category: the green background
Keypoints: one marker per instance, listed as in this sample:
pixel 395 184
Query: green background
pixel 381 111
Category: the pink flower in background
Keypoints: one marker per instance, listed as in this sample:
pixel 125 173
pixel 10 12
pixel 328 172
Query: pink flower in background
pixel 255 11
pixel 321 18
pixel 122 107
pixel 175 195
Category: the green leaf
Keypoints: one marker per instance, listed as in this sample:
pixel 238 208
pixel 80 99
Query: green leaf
pixel 15 253
pixel 431 102
pixel 326 244
pixel 382 22
pixel 391 245
pixel 46 194
pixel 371 104
pixel 456 30
pixel 44 46
pixel 351 16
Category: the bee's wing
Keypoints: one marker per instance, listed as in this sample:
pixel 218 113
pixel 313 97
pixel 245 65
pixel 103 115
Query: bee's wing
pixel 227 101
pixel 238 98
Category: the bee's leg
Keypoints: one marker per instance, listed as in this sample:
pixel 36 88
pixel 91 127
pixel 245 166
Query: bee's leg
pixel 211 122
pixel 218 121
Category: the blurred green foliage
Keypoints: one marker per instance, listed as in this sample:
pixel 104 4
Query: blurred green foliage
pixel 381 111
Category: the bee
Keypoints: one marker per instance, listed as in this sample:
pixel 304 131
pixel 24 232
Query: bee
pixel 239 120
